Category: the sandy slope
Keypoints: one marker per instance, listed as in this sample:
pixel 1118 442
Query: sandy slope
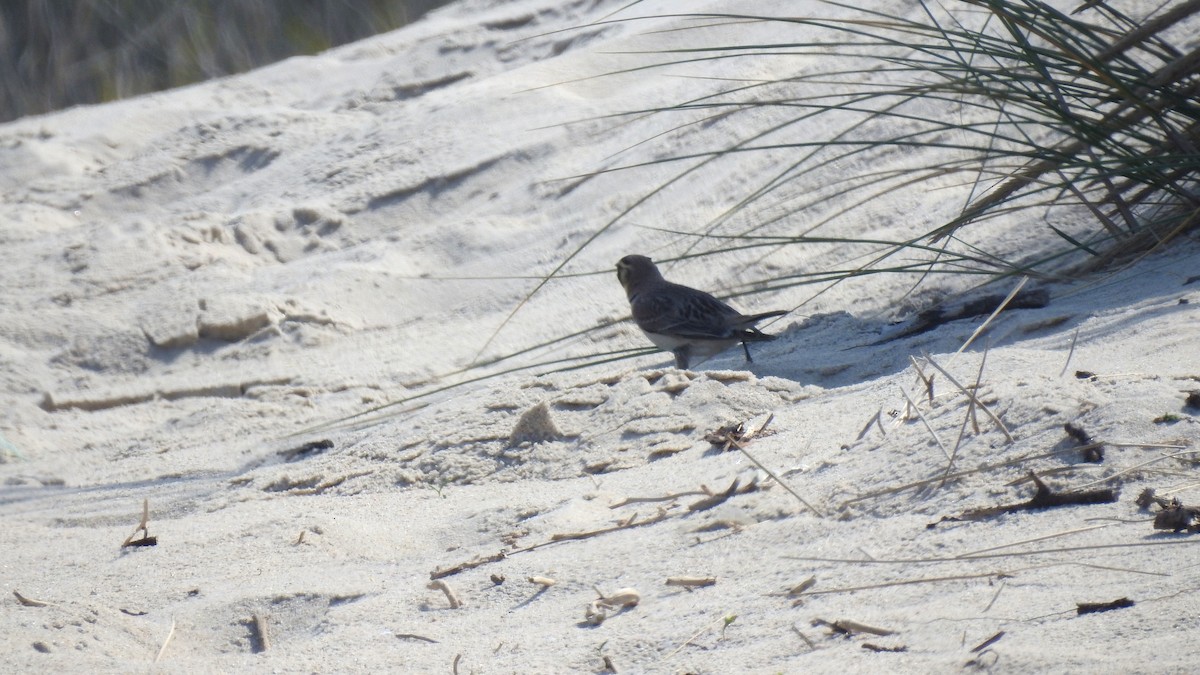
pixel 193 279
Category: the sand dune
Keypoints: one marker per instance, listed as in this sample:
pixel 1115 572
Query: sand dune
pixel 199 282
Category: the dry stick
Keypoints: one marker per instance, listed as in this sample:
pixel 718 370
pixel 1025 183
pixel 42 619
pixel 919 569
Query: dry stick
pixel 925 422
pixel 260 632
pixel 554 539
pixel 414 636
pixel 966 418
pixel 995 596
pixel 1169 491
pixel 970 395
pixel 1070 353
pixel 799 588
pixel 772 473
pixel 451 596
pixel 1043 498
pixel 867 428
pixel 30 602
pixel 142 527
pixel 1136 467
pixel 927 381
pixel 906 582
pixel 712 501
pixel 988 642
pixel 958 474
pixel 1157 446
pixel 569 536
pixel 167 641
pixel 1052 471
pixel 691 582
pixel 962 431
pixel 849 626
pixel 665 498
pixel 693 637
pixel 1110 568
pixel 999 308
pixel 988 556
pixel 1030 541
pixel 804 637
pixel 781 482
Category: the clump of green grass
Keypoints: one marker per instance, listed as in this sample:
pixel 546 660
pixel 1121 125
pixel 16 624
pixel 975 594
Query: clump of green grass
pixel 1087 123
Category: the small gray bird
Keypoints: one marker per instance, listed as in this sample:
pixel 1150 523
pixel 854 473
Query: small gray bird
pixel 684 321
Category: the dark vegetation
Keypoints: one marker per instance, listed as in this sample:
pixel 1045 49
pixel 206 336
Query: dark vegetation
pixel 59 53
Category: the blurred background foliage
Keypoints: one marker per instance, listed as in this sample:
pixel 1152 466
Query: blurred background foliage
pixel 59 53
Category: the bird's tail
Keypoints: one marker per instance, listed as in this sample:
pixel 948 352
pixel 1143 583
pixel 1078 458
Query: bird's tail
pixel 750 333
pixel 755 318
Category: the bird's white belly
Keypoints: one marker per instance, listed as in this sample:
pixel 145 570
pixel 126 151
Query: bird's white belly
pixel 699 349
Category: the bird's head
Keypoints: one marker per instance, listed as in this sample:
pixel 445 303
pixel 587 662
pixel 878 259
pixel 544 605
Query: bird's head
pixel 634 270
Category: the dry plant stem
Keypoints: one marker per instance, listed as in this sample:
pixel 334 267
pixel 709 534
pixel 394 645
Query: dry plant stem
pixel 1135 467
pixel 1030 541
pixel 142 527
pixel 921 416
pixel 260 633
pixel 695 635
pixel 781 482
pixel 987 643
pixel 1151 28
pixel 803 586
pixel 804 637
pixel 30 602
pixel 691 582
pixel 1093 607
pixel 451 596
pixel 995 597
pixel 876 419
pixel 959 474
pixel 906 582
pixel 962 431
pixel 999 308
pixel 1156 446
pixel 1044 498
pixel 989 556
pixel 1053 471
pixel 622 598
pixel 664 498
pixel 554 539
pixel 970 395
pixel 662 515
pixel 772 474
pixel 925 380
pixel 715 500
pixel 848 626
pixel 166 641
pixel 1070 353
pixel 414 636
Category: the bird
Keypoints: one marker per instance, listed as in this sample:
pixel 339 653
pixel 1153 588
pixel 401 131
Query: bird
pixel 685 321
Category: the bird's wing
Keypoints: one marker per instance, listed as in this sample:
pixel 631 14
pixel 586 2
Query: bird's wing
pixel 685 312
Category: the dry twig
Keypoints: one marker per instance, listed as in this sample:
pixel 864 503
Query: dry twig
pixel 1044 498
pixel 848 627
pixel 30 602
pixel 146 539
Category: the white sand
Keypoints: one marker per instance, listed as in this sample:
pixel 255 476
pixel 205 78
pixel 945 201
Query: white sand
pixel 194 278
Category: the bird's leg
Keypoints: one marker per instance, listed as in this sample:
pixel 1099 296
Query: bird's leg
pixel 746 347
pixel 681 357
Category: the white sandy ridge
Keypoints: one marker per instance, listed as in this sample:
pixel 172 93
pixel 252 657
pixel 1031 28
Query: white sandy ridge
pixel 194 280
